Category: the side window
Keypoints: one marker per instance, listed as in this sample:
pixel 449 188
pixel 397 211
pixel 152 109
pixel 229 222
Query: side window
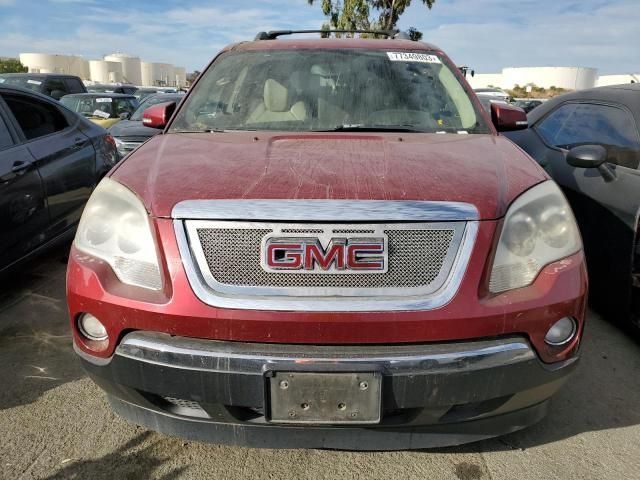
pixel 36 118
pixel 74 85
pixel 5 136
pixel 576 124
pixel 55 85
pixel 123 105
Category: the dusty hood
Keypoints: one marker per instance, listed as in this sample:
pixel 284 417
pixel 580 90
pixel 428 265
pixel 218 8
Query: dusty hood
pixel 483 170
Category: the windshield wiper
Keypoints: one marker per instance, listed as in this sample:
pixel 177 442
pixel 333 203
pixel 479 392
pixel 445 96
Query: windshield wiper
pixel 374 128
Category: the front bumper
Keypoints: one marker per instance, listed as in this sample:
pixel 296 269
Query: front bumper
pixel 433 394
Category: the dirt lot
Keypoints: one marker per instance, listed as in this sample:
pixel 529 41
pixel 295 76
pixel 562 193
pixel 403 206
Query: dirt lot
pixel 56 424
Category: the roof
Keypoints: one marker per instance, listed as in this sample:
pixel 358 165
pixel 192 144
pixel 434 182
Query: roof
pixel 102 95
pixel 626 94
pixel 334 43
pixel 110 85
pixel 38 75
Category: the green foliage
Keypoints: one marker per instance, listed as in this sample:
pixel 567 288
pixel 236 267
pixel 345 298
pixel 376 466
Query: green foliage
pixel 356 14
pixel 12 65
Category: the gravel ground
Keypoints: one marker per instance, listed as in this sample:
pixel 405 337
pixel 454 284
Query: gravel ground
pixel 56 424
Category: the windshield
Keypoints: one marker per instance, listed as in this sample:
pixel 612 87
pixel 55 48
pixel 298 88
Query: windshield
pixel 24 81
pixel 319 90
pixel 99 107
pixel 151 101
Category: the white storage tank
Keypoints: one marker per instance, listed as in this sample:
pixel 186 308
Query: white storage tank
pixel 131 67
pixel 165 76
pixel 606 80
pixel 105 72
pixel 180 74
pixel 158 74
pixel 571 78
pixel 53 63
pixel 147 74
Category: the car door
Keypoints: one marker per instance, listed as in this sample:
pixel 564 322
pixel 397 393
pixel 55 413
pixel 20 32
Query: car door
pixel 64 155
pixel 606 208
pixel 23 211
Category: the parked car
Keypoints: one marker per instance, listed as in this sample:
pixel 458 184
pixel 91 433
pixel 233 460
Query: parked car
pixel 589 142
pixel 329 246
pixel 50 161
pixel 52 84
pixel 498 93
pixel 104 109
pixel 116 88
pixel 143 93
pixel 487 100
pixel 131 133
pixel 527 105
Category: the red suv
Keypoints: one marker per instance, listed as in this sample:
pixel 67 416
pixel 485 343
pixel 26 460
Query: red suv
pixel 329 245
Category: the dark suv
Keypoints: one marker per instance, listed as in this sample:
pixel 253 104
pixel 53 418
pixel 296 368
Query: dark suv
pixel 52 85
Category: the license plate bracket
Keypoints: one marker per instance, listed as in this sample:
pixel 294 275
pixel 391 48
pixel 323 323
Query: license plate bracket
pixel 321 398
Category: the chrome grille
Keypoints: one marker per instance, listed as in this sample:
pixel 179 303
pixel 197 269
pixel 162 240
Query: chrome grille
pixel 415 260
pixel 227 255
pixel 427 249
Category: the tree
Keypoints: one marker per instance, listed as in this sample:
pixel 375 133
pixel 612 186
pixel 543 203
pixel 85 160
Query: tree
pixel 355 14
pixel 12 65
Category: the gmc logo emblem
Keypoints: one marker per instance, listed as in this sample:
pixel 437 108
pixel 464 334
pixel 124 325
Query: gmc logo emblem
pixel 339 255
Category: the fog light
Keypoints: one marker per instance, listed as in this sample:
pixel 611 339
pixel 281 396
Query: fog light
pixel 92 328
pixel 561 332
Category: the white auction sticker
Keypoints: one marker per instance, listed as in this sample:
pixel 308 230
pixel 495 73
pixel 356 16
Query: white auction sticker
pixel 100 113
pixel 413 57
pixel 103 100
pixel 34 82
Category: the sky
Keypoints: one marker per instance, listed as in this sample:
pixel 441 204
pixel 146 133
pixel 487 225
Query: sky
pixel 487 35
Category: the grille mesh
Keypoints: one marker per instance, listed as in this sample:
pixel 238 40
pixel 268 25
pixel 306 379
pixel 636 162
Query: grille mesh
pixel 415 260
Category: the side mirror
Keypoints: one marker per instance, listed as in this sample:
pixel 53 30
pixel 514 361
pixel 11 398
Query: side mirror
pixel 587 156
pixel 125 116
pixel 507 117
pixel 158 116
pixel 58 94
pixel 591 156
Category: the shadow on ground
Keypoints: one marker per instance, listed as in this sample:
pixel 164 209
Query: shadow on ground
pixel 36 352
pixel 602 394
pixel 129 461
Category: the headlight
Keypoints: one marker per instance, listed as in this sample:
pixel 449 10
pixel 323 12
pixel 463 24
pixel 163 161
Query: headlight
pixel 115 227
pixel 539 229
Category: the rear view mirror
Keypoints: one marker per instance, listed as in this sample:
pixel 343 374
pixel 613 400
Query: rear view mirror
pixel 158 116
pixel 507 117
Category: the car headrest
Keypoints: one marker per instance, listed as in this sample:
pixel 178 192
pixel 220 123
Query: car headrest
pixel 276 96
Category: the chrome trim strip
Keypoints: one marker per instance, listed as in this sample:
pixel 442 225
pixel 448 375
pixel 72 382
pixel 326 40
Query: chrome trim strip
pixel 266 299
pixel 298 210
pixel 255 358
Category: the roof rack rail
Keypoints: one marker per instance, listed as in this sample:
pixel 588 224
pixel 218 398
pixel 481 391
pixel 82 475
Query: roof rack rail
pixel 273 34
